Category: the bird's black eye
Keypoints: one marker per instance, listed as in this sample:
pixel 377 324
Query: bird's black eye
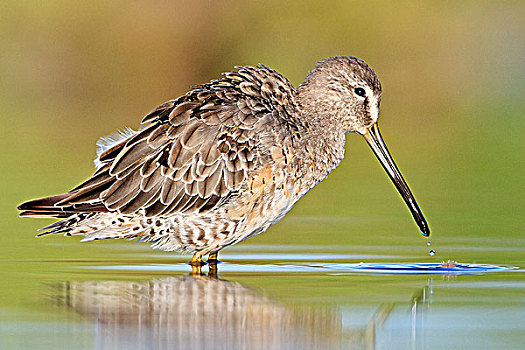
pixel 360 91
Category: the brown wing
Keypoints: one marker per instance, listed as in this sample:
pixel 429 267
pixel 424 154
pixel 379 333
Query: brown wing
pixel 194 155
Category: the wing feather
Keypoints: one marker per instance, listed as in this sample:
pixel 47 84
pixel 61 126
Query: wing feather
pixel 142 199
pixel 131 156
pixel 120 189
pixel 150 166
pixel 197 151
pixel 147 183
pixel 170 190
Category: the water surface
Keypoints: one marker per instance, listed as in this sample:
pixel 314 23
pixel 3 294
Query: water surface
pixel 262 298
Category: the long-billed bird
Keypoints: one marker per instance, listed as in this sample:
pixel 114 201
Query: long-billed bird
pixel 225 161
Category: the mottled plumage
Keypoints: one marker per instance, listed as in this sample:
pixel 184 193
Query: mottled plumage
pixel 225 161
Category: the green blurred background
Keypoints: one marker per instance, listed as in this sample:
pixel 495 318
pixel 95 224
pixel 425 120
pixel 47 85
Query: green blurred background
pixel 452 110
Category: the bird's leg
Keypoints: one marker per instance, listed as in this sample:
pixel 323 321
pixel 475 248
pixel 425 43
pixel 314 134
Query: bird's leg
pixel 196 260
pixel 196 270
pixel 213 258
pixel 196 264
pixel 212 262
pixel 212 270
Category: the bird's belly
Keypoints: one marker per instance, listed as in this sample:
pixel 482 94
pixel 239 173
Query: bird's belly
pixel 269 195
pixel 267 211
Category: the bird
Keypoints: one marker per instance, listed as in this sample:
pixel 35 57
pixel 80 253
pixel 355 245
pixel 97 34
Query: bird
pixel 225 161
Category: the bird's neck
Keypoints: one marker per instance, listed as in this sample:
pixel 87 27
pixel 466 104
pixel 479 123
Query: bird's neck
pixel 323 147
pixel 327 146
pixel 324 137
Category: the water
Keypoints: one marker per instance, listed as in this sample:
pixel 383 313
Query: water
pixel 444 268
pixel 347 267
pixel 264 297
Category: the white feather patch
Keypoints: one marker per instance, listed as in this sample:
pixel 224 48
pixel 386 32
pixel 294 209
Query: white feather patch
pixel 106 142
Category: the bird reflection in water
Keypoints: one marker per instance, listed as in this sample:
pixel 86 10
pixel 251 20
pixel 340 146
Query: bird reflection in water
pixel 194 312
pixel 205 312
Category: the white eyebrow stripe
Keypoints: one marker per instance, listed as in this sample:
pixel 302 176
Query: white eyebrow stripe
pixel 369 92
pixel 374 107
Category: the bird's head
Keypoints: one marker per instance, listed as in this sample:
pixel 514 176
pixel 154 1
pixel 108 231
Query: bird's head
pixel 342 94
pixel 345 90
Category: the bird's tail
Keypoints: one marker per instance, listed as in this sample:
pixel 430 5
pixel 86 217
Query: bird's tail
pixel 49 207
pixel 88 219
pixel 44 207
pixel 92 220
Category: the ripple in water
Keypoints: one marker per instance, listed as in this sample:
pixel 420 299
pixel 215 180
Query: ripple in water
pixel 444 268
pixel 447 268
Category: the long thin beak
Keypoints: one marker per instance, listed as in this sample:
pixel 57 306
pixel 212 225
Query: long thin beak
pixel 376 143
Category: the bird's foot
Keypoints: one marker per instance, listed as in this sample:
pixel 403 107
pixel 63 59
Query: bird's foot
pixel 196 264
pixel 212 264
pixel 196 270
pixel 213 259
pixel 196 261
